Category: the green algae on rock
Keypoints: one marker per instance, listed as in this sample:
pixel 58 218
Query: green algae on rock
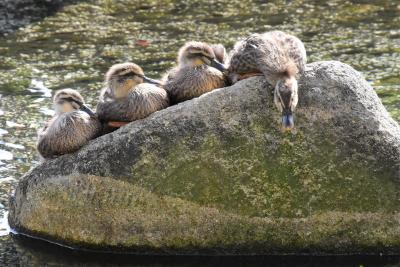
pixel 110 214
pixel 215 175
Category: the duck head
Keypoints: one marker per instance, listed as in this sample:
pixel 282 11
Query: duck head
pixel 220 52
pixel 67 100
pixel 121 78
pixel 286 98
pixel 198 54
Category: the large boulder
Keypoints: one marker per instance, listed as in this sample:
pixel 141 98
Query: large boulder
pixel 215 175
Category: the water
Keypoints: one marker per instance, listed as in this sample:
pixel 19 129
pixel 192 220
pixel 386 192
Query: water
pixel 35 253
pixel 74 48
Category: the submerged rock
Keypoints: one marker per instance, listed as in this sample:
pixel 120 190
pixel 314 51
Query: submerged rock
pixel 214 175
pixel 17 13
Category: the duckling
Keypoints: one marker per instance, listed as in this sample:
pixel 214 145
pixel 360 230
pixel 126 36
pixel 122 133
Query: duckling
pixel 280 57
pixel 129 95
pixel 199 71
pixel 72 126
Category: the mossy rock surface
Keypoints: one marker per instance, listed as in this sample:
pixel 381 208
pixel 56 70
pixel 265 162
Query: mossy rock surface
pixel 215 175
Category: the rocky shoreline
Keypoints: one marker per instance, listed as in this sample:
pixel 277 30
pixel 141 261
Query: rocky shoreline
pixel 17 13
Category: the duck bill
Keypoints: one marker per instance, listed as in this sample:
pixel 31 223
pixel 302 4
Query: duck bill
pixel 287 121
pixel 219 66
pixel 86 109
pixel 150 80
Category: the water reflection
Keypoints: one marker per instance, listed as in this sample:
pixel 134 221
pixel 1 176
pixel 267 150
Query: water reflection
pixel 23 252
pixel 4 227
pixel 5 155
pixel 16 146
pixel 37 87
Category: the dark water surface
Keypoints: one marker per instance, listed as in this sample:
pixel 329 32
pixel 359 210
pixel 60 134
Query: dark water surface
pixel 26 252
pixel 75 46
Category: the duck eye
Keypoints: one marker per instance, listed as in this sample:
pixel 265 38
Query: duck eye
pixel 194 55
pixel 129 75
pixel 123 77
pixel 70 100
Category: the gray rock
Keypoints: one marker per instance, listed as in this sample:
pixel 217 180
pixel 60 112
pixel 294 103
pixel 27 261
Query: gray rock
pixel 17 13
pixel 214 175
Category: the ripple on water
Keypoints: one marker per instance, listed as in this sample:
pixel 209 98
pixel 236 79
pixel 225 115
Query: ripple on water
pixel 38 87
pixel 11 124
pixel 5 155
pixel 11 145
pixel 4 227
pixel 47 111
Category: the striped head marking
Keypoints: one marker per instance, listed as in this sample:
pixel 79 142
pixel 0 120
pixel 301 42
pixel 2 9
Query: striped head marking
pixel 121 78
pixel 67 100
pixel 197 54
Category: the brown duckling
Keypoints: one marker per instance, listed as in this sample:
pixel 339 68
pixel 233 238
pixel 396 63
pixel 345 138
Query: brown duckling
pixel 72 126
pixel 280 57
pixel 199 71
pixel 129 95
